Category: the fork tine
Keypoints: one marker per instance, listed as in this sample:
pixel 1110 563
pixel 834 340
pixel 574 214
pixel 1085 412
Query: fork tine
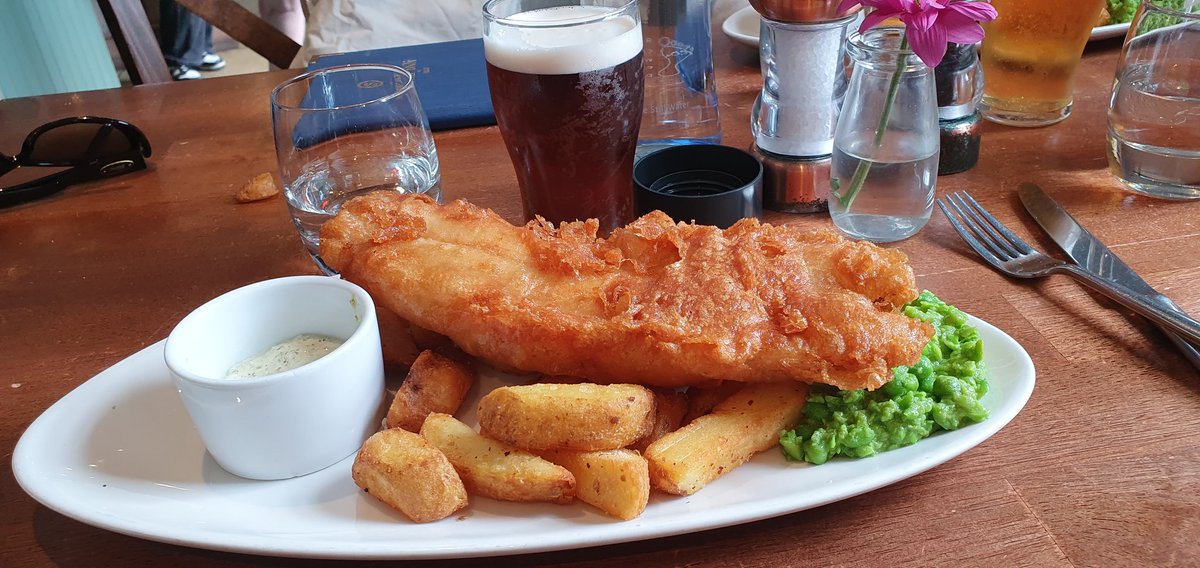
pixel 971 241
pixel 982 227
pixel 993 241
pixel 1012 237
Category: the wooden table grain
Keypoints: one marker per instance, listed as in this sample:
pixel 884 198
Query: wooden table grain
pixel 1102 468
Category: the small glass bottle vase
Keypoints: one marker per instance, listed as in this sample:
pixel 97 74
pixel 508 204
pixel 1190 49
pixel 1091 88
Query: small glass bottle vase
pixel 885 148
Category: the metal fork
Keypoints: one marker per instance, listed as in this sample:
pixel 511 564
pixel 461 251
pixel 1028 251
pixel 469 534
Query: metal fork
pixel 1011 255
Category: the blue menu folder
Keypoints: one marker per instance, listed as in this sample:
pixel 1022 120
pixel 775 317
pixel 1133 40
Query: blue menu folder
pixel 451 81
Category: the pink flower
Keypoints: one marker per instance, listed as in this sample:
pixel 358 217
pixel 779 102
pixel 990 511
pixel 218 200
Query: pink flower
pixel 929 24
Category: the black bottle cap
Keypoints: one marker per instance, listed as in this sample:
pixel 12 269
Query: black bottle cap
pixel 705 184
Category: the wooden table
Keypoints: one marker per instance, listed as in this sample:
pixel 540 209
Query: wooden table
pixel 1100 469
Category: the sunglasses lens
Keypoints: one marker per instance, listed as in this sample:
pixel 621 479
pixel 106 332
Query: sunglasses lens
pixel 69 143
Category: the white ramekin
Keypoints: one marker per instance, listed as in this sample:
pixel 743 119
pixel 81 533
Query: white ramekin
pixel 291 423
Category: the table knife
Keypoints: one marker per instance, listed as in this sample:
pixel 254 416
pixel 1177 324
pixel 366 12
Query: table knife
pixel 1089 253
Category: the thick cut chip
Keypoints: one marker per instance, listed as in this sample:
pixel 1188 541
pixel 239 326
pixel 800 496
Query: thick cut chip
pixel 712 445
pixel 580 417
pixel 434 384
pixel 615 481
pixel 669 408
pixel 410 475
pixel 702 399
pixel 497 470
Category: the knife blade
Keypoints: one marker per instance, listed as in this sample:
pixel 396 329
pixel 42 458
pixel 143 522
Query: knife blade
pixel 1092 255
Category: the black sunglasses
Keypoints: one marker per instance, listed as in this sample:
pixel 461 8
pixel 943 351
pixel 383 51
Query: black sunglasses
pixel 91 147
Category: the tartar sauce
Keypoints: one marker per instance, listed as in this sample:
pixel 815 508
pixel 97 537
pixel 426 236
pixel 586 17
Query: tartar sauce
pixel 287 355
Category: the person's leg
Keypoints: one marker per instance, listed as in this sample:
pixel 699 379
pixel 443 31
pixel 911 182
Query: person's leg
pixel 181 40
pixel 210 61
pixel 208 48
pixel 182 35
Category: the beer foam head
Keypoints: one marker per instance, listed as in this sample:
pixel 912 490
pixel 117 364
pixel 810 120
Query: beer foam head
pixel 562 40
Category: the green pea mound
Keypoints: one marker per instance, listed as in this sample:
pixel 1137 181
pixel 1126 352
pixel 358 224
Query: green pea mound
pixel 942 391
pixel 1121 11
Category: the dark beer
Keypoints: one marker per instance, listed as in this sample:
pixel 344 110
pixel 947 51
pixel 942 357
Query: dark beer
pixel 569 104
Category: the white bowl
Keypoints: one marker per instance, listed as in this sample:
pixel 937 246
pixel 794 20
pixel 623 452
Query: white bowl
pixel 291 423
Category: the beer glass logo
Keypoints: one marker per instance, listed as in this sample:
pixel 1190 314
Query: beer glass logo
pixel 370 84
pixel 672 49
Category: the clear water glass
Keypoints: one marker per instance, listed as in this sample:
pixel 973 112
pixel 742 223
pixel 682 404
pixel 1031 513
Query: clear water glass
pixel 1154 114
pixel 883 179
pixel 344 131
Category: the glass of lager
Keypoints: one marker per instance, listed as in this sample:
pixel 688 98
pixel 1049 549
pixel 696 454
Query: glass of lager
pixel 566 84
pixel 1029 56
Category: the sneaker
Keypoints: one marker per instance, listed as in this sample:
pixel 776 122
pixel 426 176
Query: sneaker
pixel 211 62
pixel 184 73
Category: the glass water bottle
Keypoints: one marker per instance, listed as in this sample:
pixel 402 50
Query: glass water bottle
pixel 885 148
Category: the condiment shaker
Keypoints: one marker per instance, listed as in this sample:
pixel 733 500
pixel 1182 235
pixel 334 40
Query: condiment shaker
pixel 959 88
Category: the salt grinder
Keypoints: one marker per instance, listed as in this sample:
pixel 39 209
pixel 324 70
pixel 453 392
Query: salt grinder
pixel 793 120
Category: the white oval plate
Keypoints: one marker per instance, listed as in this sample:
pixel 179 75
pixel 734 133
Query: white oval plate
pixel 742 26
pixel 119 452
pixel 1109 31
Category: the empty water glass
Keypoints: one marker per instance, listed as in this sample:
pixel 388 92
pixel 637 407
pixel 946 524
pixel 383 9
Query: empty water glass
pixel 1154 115
pixel 344 131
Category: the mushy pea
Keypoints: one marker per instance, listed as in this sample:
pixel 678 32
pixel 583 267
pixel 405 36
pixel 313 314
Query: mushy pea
pixel 940 392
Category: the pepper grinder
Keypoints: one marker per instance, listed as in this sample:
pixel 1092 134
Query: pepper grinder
pixel 801 52
pixel 959 88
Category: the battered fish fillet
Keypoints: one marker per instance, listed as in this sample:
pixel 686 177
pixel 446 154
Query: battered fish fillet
pixel 656 303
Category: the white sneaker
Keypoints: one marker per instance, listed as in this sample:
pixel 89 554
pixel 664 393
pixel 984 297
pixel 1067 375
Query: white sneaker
pixel 211 62
pixel 184 73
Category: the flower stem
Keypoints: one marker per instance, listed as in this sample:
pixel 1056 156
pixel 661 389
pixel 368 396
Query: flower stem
pixel 864 166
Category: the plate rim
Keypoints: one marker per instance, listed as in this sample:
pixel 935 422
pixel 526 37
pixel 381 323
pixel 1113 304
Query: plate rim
pixel 1108 31
pixel 729 27
pixel 959 442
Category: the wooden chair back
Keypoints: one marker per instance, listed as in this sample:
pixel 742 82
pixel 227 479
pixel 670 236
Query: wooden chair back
pixel 138 46
pixel 136 43
pixel 246 27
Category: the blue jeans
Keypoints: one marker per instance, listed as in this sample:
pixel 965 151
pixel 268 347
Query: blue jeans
pixel 185 37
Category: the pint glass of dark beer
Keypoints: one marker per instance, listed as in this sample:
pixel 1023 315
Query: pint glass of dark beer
pixel 566 83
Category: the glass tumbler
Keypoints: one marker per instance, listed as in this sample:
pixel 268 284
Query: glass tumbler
pixel 1154 114
pixel 1029 56
pixel 344 131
